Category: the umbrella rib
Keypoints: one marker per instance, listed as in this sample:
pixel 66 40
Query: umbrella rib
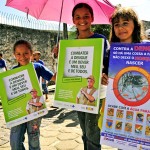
pixel 106 1
pixel 101 8
pixel 42 10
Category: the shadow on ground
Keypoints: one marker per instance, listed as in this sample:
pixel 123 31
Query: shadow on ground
pixel 61 115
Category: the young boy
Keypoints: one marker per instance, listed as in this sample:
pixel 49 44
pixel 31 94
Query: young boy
pixel 37 56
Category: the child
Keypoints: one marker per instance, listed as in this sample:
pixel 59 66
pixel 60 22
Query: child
pixel 126 28
pixel 23 52
pixel 2 64
pixel 37 56
pixel 82 16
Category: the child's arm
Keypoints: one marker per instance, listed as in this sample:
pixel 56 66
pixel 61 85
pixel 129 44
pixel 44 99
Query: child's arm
pixel 6 68
pixel 104 79
pixel 55 51
pixel 53 77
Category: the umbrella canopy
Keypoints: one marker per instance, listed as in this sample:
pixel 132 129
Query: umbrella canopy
pixel 61 10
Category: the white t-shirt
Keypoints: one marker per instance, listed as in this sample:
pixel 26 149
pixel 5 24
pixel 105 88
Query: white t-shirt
pixel 103 90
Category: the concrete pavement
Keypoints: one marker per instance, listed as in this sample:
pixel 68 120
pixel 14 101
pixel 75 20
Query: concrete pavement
pixel 60 130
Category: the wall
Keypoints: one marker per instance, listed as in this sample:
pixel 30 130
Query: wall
pixel 42 41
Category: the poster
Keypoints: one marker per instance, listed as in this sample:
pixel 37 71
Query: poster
pixel 20 93
pixel 79 61
pixel 126 123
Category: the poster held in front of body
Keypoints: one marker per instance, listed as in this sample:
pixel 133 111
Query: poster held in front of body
pixel 79 74
pixel 126 122
pixel 21 95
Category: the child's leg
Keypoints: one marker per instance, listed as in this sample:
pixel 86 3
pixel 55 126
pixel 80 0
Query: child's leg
pixel 92 131
pixel 44 87
pixel 81 117
pixel 17 137
pixel 33 130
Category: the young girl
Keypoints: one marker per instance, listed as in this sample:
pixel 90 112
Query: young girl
pixel 23 52
pixel 82 16
pixel 126 28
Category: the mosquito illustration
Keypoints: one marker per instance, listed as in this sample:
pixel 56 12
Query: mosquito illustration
pixel 132 83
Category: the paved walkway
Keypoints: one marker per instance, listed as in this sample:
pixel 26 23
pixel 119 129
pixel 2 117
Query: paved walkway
pixel 60 130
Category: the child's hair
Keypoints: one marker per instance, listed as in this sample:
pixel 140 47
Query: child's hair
pixel 24 42
pixel 127 14
pixel 37 52
pixel 1 54
pixel 81 5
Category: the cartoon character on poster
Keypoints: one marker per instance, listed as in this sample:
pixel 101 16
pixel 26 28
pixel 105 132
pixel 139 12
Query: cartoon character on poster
pixel 129 115
pixel 128 127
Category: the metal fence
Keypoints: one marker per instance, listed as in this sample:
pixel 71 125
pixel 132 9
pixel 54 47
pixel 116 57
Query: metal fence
pixel 20 21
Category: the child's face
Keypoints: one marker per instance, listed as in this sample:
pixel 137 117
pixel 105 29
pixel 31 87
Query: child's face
pixel 82 19
pixel 22 54
pixel 36 56
pixel 123 30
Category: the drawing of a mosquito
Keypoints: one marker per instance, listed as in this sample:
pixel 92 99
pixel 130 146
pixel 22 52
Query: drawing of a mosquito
pixel 129 81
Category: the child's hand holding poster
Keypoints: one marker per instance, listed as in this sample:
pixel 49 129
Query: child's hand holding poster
pixel 79 74
pixel 21 95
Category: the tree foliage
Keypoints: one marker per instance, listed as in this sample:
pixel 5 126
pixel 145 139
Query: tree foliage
pixel 102 29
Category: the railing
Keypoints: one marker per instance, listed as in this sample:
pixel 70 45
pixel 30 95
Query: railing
pixel 20 21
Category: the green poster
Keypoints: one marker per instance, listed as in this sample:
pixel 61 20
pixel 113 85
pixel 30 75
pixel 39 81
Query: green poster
pixel 79 74
pixel 22 98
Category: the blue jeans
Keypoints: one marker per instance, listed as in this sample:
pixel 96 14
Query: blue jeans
pixel 17 135
pixel 90 130
pixel 44 87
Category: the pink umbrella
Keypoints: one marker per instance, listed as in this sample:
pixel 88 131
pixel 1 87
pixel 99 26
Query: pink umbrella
pixel 61 10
